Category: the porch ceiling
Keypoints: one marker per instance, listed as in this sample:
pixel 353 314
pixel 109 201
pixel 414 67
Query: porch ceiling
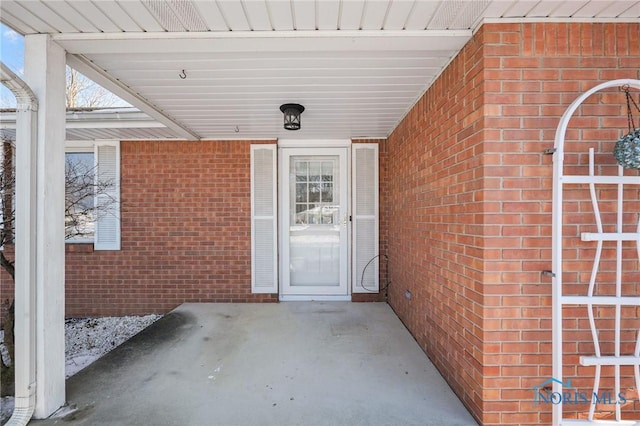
pixel 356 65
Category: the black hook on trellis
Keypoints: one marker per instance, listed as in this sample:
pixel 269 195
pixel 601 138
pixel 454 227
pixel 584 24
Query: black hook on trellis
pixel 630 100
pixel 627 148
pixel 182 75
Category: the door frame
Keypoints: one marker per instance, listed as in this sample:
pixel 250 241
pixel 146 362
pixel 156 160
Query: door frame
pixel 310 147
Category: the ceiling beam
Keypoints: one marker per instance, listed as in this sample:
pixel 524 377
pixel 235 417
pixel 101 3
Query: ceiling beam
pixel 102 78
pixel 275 41
pixel 114 123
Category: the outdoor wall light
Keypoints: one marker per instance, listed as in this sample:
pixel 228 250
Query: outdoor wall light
pixel 291 115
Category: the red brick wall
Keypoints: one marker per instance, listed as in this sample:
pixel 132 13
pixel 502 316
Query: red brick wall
pixel 432 205
pixel 469 207
pixel 532 73
pixel 6 286
pixel 186 233
pixel 8 181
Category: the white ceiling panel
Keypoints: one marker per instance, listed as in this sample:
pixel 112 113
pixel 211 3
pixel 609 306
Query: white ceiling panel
pixel 327 14
pixel 253 100
pixel 421 14
pixel 304 12
pixel 398 14
pixel 374 13
pixel 455 15
pixel 63 16
pixel 351 14
pixel 211 15
pixel 497 9
pixel 55 19
pixel 163 14
pixel 306 66
pixel 268 98
pixel 544 8
pixel 617 8
pixel 258 15
pixel 295 90
pixel 234 15
pixel 96 16
pixel 319 109
pixel 633 11
pixel 115 12
pixel 280 15
pixel 412 47
pixel 16 23
pixel 468 15
pixel 567 8
pixel 81 21
pixel 157 76
pixel 520 9
pixel 293 81
pixel 356 65
pixel 141 16
pixel 187 13
pixel 591 9
pixel 27 16
pixel 445 14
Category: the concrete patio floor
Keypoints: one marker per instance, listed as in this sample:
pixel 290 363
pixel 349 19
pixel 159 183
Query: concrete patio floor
pixel 296 363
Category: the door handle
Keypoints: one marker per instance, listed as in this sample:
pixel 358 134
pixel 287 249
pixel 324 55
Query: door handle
pixel 344 221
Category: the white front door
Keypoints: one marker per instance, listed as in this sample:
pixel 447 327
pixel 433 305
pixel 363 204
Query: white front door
pixel 314 222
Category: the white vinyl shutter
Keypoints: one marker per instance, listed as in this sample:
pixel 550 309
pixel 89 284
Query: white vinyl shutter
pixel 264 219
pixel 365 218
pixel 107 227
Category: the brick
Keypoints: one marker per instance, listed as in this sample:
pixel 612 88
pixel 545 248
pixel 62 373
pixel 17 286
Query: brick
pixel 519 63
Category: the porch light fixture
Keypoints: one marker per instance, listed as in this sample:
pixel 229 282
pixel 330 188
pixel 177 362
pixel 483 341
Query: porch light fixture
pixel 291 115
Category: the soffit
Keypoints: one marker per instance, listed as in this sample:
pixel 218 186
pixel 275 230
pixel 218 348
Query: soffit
pixel 100 124
pixel 356 65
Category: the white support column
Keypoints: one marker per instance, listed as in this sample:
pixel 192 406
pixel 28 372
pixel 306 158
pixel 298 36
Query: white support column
pixel 45 74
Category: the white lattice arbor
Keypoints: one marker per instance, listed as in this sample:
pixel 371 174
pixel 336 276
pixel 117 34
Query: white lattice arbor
pixel 591 300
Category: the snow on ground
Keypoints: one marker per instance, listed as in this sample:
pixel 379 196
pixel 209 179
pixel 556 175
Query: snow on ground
pixel 6 408
pixel 87 339
pixel 3 350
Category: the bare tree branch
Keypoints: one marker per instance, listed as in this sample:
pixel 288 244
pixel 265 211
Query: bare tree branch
pixel 84 93
pixel 86 197
pixel 7 206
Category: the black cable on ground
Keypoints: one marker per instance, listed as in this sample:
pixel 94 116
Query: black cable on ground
pixel 386 270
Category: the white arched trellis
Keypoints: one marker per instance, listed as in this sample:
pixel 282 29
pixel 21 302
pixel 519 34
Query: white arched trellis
pixel 559 300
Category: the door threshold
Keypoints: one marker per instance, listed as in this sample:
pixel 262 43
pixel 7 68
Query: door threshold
pixel 310 298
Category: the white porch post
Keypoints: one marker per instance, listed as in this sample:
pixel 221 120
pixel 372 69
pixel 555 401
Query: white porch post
pixel 45 74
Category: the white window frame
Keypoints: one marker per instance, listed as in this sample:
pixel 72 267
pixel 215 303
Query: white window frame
pixel 92 146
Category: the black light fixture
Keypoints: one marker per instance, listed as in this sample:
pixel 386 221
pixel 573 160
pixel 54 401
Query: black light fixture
pixel 291 115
